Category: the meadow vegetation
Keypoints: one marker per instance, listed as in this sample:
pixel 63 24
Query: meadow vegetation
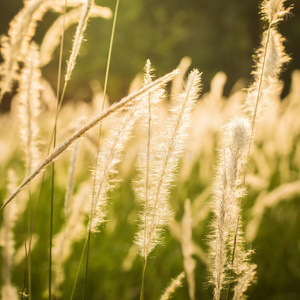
pixel 167 193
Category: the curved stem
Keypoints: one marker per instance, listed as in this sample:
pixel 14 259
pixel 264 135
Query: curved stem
pixel 84 129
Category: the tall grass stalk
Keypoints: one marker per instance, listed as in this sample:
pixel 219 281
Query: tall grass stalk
pixel 28 100
pixel 150 130
pixel 103 181
pixel 108 158
pixel 58 104
pixel 78 270
pixel 271 58
pixel 99 136
pixel 27 265
pixel 156 211
pixel 227 192
pixel 78 37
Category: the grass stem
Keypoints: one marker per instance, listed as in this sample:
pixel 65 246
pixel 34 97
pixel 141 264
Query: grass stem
pixel 54 145
pixel 143 280
pixel 78 270
pixel 248 153
pixel 98 149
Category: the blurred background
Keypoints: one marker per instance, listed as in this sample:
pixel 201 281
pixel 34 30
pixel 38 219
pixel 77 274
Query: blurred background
pixel 216 35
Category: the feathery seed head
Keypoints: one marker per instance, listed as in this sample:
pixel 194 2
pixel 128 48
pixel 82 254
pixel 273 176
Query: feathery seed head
pixel 244 281
pixel 133 97
pixel 78 37
pixel 179 122
pixel 7 242
pixel 158 169
pixel 176 282
pixel 15 47
pixel 153 97
pixel 238 133
pixel 274 11
pixel 148 70
pixel 105 169
pixel 177 84
pixel 29 107
pixel 53 35
pixel 227 192
pixel 270 59
pixel 275 57
pixel 153 211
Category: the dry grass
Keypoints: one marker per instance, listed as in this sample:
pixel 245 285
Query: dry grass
pixel 152 146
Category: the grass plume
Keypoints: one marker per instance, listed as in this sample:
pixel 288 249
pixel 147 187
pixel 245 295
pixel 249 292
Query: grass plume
pixel 227 192
pixel 156 212
pixel 108 158
pixel 29 108
pixel 78 37
pixel 52 37
pixel 83 130
pixel 271 57
pixel 143 184
pixel 175 283
pixel 7 242
pixel 164 165
pixel 15 47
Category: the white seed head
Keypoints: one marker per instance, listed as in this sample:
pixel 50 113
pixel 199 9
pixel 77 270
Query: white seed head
pixel 274 10
pixel 238 132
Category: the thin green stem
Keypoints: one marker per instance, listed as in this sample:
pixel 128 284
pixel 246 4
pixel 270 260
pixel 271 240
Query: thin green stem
pixel 78 270
pixel 27 252
pixel 29 256
pixel 249 150
pixel 68 195
pixel 22 295
pixel 87 263
pixel 257 99
pixel 51 226
pixel 53 137
pixel 59 103
pixel 146 195
pixel 143 280
pixel 110 50
pixel 99 136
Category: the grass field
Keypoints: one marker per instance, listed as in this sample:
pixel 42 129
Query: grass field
pixel 167 193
